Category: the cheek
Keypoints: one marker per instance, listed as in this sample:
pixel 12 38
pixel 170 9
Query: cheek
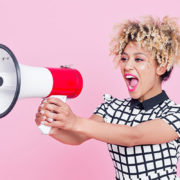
pixel 147 68
pixel 148 79
pixel 147 74
pixel 144 67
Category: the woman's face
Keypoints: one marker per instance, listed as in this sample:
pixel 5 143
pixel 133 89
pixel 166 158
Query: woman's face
pixel 140 72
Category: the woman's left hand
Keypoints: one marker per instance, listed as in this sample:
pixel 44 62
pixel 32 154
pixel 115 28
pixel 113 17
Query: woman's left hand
pixel 58 111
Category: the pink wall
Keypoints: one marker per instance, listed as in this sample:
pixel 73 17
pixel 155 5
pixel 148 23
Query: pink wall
pixel 54 33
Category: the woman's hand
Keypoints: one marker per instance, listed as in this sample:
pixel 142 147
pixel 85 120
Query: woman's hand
pixel 55 113
pixel 63 122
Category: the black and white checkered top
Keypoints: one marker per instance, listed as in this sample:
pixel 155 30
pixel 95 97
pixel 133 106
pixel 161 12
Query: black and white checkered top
pixel 144 162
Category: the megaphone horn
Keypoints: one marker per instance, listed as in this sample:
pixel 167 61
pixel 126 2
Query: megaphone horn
pixel 21 81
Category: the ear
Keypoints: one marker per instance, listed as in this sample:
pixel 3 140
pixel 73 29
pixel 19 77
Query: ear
pixel 161 69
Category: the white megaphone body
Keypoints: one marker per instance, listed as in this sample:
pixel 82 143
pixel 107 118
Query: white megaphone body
pixel 21 81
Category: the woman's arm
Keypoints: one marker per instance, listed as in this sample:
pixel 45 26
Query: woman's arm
pixel 151 132
pixel 155 131
pixel 65 136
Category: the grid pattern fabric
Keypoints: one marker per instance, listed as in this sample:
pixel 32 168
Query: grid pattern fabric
pixel 143 162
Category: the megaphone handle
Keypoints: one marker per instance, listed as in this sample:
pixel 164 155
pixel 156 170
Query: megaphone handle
pixel 46 129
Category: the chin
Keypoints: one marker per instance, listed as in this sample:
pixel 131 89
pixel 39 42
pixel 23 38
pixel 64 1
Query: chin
pixel 135 95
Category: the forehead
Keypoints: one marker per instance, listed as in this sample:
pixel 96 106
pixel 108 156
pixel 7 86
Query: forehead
pixel 132 47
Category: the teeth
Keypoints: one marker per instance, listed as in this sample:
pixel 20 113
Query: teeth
pixel 129 76
pixel 130 87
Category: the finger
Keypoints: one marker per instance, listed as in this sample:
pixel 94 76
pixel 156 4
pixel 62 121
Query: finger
pixel 55 124
pixel 49 120
pixel 44 100
pixel 52 104
pixel 38 121
pixel 42 104
pixel 49 114
pixel 51 107
pixel 56 101
pixel 39 108
pixel 41 117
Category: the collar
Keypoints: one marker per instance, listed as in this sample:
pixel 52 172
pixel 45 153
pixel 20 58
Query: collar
pixel 149 103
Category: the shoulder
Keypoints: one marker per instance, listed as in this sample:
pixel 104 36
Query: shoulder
pixel 113 104
pixel 110 105
pixel 171 114
pixel 170 107
pixel 110 100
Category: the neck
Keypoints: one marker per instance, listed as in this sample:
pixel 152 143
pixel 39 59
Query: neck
pixel 155 90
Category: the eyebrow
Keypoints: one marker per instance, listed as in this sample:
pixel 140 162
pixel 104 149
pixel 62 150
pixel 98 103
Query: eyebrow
pixel 136 53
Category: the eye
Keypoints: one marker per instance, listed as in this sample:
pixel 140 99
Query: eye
pixel 139 59
pixel 123 59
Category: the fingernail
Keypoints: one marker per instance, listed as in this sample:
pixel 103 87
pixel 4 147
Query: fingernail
pixel 43 122
pixel 44 117
pixel 42 105
pixel 50 119
pixel 42 112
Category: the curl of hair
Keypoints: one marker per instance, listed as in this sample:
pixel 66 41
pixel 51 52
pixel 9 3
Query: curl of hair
pixel 160 38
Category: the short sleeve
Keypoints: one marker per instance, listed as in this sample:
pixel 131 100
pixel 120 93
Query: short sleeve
pixel 102 109
pixel 172 117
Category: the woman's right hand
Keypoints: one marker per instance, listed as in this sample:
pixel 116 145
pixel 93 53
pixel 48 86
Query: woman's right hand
pixel 64 136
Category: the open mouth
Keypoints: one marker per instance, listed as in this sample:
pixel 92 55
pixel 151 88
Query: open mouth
pixel 132 81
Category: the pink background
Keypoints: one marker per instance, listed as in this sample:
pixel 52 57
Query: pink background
pixel 53 33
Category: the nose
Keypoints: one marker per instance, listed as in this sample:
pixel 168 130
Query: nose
pixel 129 64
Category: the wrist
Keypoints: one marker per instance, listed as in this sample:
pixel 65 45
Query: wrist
pixel 79 125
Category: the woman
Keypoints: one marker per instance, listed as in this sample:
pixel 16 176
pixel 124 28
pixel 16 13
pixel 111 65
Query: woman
pixel 143 131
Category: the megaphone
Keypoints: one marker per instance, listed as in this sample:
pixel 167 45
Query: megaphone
pixel 21 81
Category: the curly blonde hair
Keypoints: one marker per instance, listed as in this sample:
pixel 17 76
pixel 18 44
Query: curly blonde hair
pixel 161 38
